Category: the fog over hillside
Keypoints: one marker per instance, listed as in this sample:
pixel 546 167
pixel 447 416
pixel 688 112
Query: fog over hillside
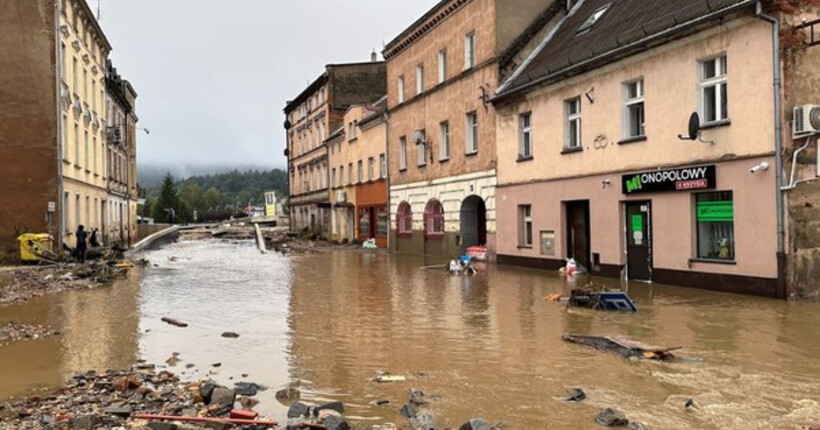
pixel 151 174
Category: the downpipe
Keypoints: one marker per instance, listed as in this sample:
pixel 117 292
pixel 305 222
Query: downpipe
pixel 778 148
pixel 60 201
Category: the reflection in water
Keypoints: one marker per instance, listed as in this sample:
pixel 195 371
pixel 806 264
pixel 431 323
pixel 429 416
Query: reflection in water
pixel 487 346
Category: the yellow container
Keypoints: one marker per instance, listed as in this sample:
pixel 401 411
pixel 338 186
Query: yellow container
pixel 32 245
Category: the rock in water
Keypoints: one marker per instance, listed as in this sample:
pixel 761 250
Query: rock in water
pixel 246 388
pixel 230 335
pixel 336 406
pixel 475 424
pixel 288 395
pixel 576 395
pixel 223 396
pixel 637 425
pixel 611 418
pixel 334 422
pixel 206 390
pixel 174 322
pixel 297 410
pixel 423 420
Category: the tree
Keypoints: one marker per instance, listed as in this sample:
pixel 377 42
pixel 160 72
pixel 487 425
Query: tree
pixel 167 204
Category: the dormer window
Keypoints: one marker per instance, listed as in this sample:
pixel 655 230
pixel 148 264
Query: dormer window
pixel 594 18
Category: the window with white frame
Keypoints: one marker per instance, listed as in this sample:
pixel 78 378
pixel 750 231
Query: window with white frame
pixel 382 166
pixel 525 135
pixel 371 168
pixel 714 106
pixel 471 142
pixel 572 123
pixel 634 112
pixel 444 140
pixel 421 150
pixel 525 225
pixel 442 65
pixel 469 51
pixel 401 89
pixel 419 79
pixel 351 133
pixel 403 153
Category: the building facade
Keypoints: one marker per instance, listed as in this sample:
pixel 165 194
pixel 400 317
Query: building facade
pixel 53 131
pixel 120 210
pixel 310 118
pixel 592 167
pixel 441 73
pixel 358 176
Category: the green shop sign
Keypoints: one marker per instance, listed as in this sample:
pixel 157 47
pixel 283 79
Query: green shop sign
pixel 716 211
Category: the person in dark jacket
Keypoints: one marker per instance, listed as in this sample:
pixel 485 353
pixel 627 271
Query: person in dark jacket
pixel 81 244
pixel 92 240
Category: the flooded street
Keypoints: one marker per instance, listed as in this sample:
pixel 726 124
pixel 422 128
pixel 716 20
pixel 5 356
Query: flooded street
pixel 487 346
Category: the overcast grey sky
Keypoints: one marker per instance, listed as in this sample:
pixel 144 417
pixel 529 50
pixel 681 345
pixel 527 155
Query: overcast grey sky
pixel 213 75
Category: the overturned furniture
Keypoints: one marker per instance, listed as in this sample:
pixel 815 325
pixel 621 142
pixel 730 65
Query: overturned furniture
pixel 624 347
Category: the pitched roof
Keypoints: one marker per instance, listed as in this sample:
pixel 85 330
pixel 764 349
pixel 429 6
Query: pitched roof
pixel 625 28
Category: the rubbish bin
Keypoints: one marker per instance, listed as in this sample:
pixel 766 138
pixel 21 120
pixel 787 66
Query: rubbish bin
pixel 33 245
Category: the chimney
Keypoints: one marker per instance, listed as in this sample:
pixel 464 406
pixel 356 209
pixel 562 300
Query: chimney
pixel 374 57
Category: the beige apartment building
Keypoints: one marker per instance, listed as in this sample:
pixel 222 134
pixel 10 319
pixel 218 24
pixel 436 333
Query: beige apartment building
pixel 591 165
pixel 310 118
pixel 53 153
pixel 442 72
pixel 358 175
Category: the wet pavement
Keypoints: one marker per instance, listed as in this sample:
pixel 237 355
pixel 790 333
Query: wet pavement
pixel 487 346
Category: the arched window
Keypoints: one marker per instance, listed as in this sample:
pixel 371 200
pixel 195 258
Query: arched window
pixel 404 220
pixel 433 219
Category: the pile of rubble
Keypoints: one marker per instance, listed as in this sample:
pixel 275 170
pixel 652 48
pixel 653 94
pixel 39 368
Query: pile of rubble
pixel 136 399
pixel 20 285
pixel 14 331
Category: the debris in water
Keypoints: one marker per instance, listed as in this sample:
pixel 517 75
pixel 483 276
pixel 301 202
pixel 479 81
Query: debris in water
pixel 387 377
pixel 690 405
pixel 623 347
pixel 611 418
pixel 174 322
pixel 230 335
pixel 576 395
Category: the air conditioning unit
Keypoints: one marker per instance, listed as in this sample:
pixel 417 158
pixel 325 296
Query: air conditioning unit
pixel 806 120
pixel 341 196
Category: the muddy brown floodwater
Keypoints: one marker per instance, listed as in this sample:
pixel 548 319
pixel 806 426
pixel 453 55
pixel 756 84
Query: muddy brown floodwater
pixel 487 346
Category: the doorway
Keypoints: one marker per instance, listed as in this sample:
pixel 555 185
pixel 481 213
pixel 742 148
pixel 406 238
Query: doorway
pixel 473 222
pixel 578 236
pixel 639 241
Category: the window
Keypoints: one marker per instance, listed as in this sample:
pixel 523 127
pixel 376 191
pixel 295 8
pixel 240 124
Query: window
pixel 371 168
pixel 63 60
pixel 76 144
pixel 87 162
pixel 74 75
pixel 715 225
pixel 382 222
pixel 341 175
pixel 442 65
pixel 587 25
pixel 351 133
pixel 525 135
pixel 525 225
pixel 634 109
pixel 469 51
pixel 572 111
pixel 349 173
pixel 364 223
pixel 471 144
pixel 714 97
pixel 65 212
pixel 421 150
pixel 360 171
pixel 401 89
pixel 404 220
pixel 444 137
pixel 419 79
pixel 333 177
pixel 433 219
pixel 85 85
pixel 403 153
pixel 382 165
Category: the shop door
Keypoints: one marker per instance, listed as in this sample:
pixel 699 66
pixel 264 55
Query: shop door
pixel 578 243
pixel 639 241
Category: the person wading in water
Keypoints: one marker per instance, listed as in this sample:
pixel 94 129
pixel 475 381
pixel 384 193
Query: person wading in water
pixel 81 245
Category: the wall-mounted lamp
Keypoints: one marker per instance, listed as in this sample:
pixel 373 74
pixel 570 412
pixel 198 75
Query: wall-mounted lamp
pixel 605 183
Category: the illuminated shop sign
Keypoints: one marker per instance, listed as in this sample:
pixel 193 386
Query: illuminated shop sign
pixel 683 179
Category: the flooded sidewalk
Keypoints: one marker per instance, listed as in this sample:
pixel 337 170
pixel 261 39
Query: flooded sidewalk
pixel 486 346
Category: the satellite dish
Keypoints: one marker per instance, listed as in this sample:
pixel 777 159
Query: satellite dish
pixel 694 128
pixel 814 118
pixel 418 137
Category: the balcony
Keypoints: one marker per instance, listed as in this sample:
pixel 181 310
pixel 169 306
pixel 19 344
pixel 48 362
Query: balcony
pixel 65 96
pixel 78 107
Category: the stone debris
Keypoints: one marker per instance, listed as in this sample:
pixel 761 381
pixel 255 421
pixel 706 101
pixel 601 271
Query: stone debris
pixel 328 416
pixel 230 335
pixel 25 283
pixel 611 418
pixel 576 395
pixel 111 400
pixel 14 331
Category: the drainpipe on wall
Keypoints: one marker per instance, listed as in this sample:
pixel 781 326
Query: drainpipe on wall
pixel 60 202
pixel 778 147
pixel 390 225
